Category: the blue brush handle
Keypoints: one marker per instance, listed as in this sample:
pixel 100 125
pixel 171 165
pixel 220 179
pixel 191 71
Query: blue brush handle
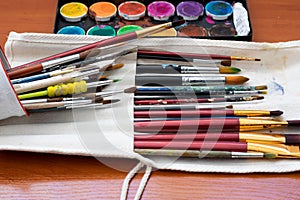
pixel 31 78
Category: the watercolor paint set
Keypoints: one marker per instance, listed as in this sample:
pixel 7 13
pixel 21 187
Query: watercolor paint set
pixel 206 19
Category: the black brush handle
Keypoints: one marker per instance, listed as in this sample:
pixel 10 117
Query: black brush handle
pixel 159 69
pixel 158 80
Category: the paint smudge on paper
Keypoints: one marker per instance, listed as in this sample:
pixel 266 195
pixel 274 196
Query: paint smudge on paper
pixel 275 88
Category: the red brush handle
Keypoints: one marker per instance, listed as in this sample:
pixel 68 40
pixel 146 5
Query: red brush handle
pixel 234 137
pixel 185 55
pixel 25 71
pixel 102 43
pixel 195 145
pixel 189 126
pixel 176 101
pixel 183 113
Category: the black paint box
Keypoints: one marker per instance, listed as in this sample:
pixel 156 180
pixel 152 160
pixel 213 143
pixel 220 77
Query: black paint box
pixel 226 20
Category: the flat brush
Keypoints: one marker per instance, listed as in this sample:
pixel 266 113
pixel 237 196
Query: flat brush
pixel 148 100
pixel 278 149
pixel 19 71
pixel 212 124
pixel 204 154
pixel 179 69
pixel 155 80
pixel 205 113
pixel 45 65
pixel 194 55
pixel 290 139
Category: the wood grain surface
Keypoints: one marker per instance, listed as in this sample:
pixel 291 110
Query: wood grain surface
pixel 25 175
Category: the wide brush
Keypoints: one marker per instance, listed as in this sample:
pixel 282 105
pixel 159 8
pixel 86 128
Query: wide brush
pixel 211 124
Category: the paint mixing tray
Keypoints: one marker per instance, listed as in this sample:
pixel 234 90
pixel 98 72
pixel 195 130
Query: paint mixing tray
pixel 205 19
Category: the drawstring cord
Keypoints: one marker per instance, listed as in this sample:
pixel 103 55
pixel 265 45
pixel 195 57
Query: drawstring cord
pixel 143 183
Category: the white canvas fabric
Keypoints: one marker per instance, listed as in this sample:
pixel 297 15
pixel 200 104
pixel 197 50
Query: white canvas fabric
pixel 9 103
pixel 108 132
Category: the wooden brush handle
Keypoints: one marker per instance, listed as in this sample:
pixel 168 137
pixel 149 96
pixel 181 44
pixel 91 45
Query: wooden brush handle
pixel 21 72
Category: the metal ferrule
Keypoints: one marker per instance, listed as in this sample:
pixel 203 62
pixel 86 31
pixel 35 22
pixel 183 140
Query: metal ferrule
pixel 196 70
pixel 202 80
pixel 58 61
pixel 247 155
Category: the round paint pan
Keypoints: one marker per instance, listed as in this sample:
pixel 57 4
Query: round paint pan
pixel 131 10
pixel 74 11
pixel 218 10
pixel 222 30
pixel 192 30
pixel 190 10
pixel 171 32
pixel 161 10
pixel 101 30
pixel 128 29
pixel 71 30
pixel 102 11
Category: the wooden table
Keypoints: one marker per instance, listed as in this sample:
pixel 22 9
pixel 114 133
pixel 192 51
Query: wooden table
pixel 44 176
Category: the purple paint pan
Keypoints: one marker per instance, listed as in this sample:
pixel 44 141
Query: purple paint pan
pixel 190 10
pixel 161 10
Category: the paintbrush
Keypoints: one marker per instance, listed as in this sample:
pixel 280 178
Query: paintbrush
pixel 205 113
pixel 180 69
pixel 204 88
pixel 204 154
pixel 182 107
pixel 191 93
pixel 279 149
pixel 39 67
pixel 160 100
pixel 110 56
pixel 65 89
pixel 194 55
pixel 35 85
pixel 290 139
pixel 97 105
pixel 210 124
pixel 164 80
pixel 24 69
pixel 144 60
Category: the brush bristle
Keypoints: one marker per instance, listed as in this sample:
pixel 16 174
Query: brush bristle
pixel 178 23
pixel 261 87
pixel 257 59
pixel 118 66
pixel 110 101
pixel 235 80
pixel 258 97
pixel 130 90
pixel 262 92
pixel 270 155
pixel 229 70
pixel 226 63
pixel 276 113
